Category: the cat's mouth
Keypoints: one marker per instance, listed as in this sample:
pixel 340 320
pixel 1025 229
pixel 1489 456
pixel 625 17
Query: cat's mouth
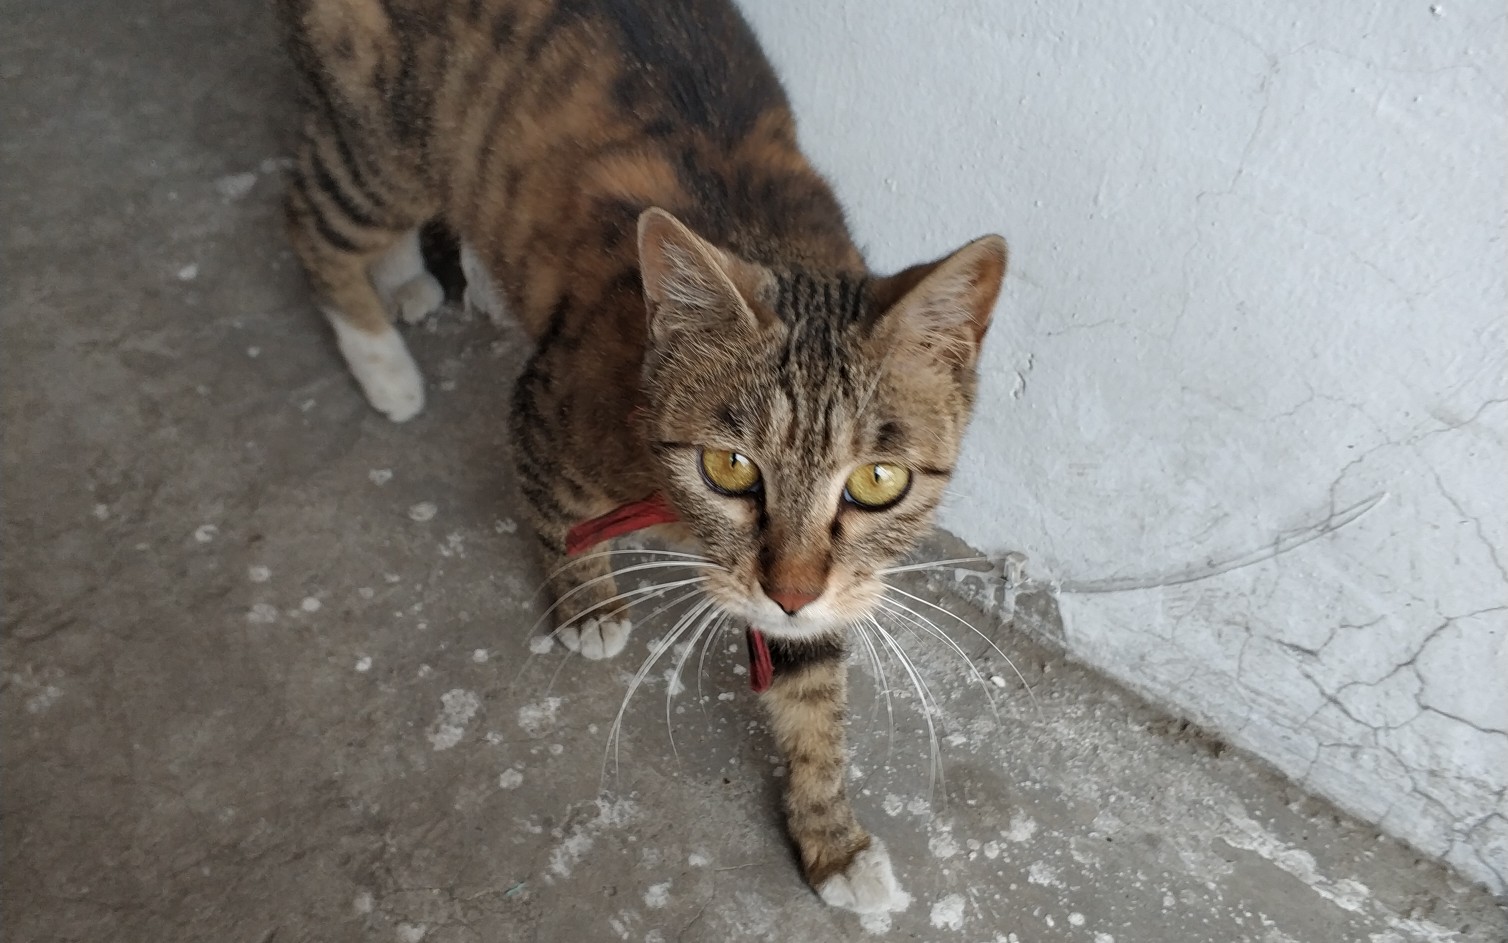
pixel 831 612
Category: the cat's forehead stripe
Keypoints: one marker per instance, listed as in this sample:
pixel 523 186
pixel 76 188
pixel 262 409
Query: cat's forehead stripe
pixel 889 436
pixel 827 299
pixel 732 418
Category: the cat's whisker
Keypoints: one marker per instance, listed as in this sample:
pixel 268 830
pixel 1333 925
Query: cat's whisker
pixel 672 604
pixel 587 584
pixel 614 735
pixel 680 627
pixel 691 559
pixel 884 687
pixel 560 664
pixel 931 565
pixel 928 705
pixel 645 593
pixel 874 385
pixel 701 661
pixel 707 622
pixel 970 626
pixel 932 629
pixel 640 674
pixel 637 594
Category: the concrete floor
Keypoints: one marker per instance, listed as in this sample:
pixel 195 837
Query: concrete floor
pixel 266 661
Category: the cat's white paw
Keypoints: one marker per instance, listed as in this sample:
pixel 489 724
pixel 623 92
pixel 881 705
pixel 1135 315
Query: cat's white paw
pixel 402 281
pixel 867 885
pixel 481 294
pixel 418 298
pixel 382 366
pixel 597 638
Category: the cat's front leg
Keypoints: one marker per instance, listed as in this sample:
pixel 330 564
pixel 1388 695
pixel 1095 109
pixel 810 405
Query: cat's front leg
pixel 846 865
pixel 588 612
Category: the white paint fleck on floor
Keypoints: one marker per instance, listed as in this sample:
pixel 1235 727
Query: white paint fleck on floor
pixel 540 717
pixel 947 913
pixel 1044 874
pixel 578 841
pixel 657 896
pixel 1249 835
pixel 234 187
pixel 1021 830
pixel 458 706
pixel 943 845
pixel 411 932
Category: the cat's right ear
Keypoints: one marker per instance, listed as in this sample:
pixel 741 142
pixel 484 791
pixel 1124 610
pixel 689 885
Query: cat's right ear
pixel 690 284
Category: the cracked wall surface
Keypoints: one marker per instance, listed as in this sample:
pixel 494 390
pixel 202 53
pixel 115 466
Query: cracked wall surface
pixel 1244 401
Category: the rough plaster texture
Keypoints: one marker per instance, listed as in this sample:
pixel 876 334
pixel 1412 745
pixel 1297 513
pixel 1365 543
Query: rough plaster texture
pixel 266 670
pixel 1257 284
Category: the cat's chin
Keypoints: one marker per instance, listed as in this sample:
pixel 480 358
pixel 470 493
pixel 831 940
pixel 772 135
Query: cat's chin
pixel 789 633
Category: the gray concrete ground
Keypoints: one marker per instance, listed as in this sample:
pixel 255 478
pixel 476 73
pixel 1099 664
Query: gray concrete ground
pixel 266 664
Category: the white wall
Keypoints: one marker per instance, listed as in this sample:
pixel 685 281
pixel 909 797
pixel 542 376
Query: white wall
pixel 1257 279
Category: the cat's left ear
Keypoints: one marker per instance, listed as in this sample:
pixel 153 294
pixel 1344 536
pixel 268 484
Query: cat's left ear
pixel 942 307
pixel 690 284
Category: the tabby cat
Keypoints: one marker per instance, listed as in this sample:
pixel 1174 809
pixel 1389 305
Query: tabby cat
pixel 626 177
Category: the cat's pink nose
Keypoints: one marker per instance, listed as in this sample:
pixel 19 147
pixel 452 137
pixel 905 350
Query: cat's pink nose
pixel 791 600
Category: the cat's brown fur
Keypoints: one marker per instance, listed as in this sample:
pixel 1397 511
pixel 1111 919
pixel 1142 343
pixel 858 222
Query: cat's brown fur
pixel 543 132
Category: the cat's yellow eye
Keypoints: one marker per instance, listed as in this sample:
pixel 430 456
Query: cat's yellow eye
pixel 878 486
pixel 729 472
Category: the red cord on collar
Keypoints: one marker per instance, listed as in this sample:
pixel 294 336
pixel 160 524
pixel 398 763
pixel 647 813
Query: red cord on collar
pixel 635 515
pixel 647 512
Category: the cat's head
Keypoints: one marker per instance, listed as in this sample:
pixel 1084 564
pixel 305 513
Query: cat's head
pixel 807 424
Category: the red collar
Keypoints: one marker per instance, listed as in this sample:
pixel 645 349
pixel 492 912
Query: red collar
pixel 646 512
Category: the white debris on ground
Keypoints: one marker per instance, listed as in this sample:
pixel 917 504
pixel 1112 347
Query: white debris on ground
pixel 235 186
pixel 458 706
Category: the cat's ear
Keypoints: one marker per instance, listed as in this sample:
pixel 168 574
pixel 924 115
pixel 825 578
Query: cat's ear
pixel 691 284
pixel 942 308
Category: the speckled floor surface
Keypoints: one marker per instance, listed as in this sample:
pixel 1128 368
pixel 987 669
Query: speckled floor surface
pixel 267 673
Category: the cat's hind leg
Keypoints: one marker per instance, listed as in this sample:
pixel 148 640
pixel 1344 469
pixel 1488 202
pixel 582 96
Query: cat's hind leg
pixel 481 292
pixel 350 243
pixel 402 281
